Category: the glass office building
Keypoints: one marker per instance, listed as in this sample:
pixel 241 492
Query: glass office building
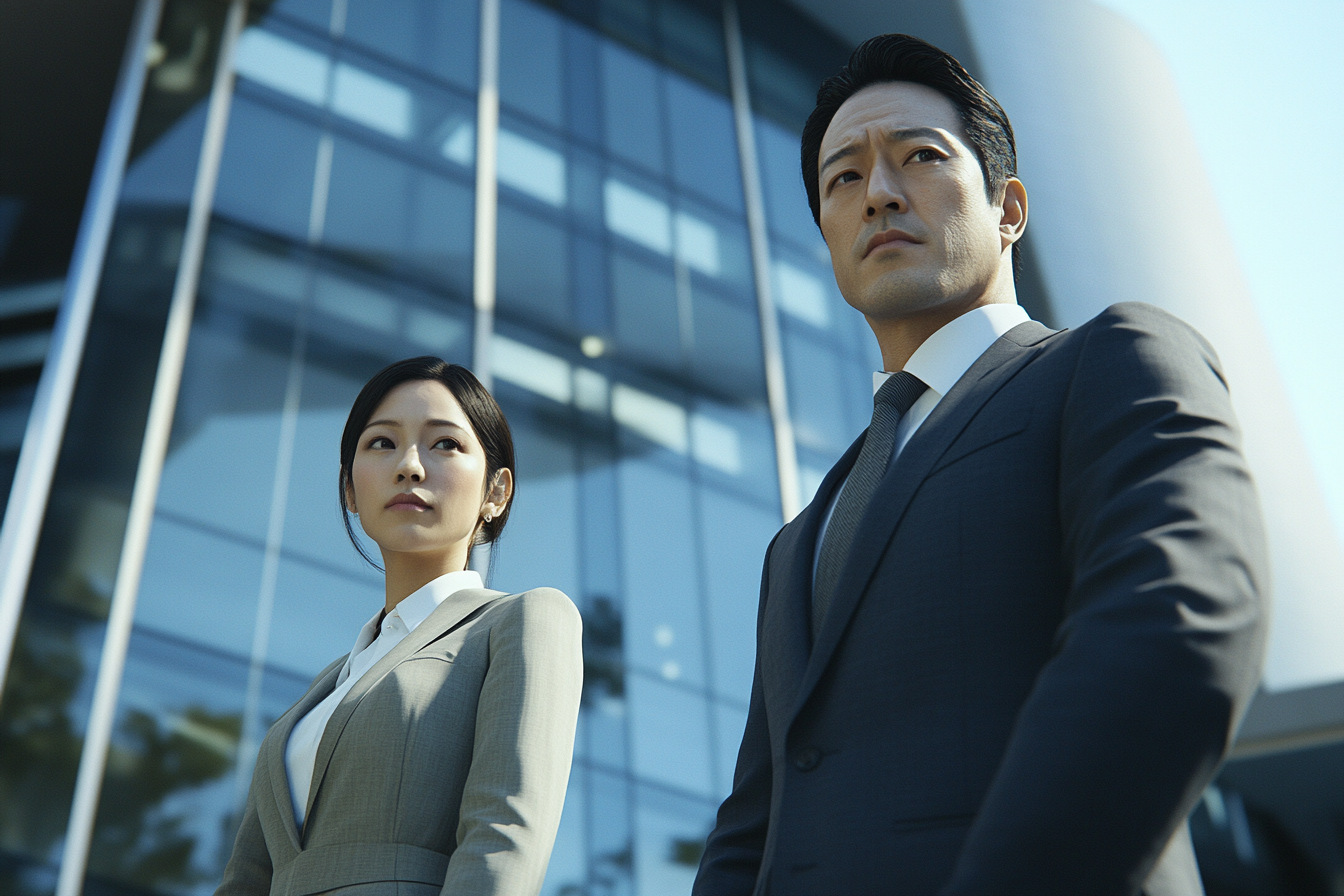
pixel 597 206
pixel 625 345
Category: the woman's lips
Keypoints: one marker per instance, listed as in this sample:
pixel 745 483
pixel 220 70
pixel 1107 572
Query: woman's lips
pixel 408 502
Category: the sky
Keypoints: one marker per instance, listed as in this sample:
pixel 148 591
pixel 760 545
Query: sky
pixel 1263 86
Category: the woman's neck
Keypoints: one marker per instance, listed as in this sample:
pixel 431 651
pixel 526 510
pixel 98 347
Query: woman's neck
pixel 408 573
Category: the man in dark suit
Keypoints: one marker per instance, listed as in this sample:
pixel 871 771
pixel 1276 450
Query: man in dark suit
pixel 1007 644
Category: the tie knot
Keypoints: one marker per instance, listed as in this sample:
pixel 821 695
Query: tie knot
pixel 900 391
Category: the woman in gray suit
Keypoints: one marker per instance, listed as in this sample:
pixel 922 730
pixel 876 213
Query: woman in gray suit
pixel 434 757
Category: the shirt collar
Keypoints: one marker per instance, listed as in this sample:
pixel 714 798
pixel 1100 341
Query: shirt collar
pixel 956 345
pixel 416 607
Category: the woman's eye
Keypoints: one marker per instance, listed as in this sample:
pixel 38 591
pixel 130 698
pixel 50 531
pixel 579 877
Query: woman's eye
pixel 380 442
pixel 446 444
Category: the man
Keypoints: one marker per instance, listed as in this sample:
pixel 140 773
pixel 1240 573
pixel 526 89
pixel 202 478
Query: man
pixel 1006 646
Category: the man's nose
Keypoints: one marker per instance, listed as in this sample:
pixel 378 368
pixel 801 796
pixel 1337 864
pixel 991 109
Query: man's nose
pixel 885 193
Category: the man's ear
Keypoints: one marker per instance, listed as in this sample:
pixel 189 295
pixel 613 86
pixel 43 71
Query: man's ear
pixel 1013 220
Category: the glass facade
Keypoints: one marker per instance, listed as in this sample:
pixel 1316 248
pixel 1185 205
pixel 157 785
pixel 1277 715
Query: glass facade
pixel 625 347
pixel 630 338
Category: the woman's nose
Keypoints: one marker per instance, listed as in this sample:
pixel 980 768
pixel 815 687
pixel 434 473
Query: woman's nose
pixel 410 467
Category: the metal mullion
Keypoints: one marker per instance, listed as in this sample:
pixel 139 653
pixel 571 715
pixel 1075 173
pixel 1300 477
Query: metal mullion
pixel 163 402
pixel 55 390
pixel 485 257
pixel 776 390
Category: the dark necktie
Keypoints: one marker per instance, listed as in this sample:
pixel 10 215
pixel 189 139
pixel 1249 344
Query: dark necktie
pixel 890 403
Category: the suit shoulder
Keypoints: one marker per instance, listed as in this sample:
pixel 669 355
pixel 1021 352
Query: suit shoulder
pixel 1145 333
pixel 1143 319
pixel 548 605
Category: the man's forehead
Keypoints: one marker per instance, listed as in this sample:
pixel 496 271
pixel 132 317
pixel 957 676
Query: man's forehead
pixel 892 105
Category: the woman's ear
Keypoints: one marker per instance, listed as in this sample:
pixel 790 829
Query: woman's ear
pixel 350 497
pixel 498 494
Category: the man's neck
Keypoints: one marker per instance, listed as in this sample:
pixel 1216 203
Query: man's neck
pixel 899 338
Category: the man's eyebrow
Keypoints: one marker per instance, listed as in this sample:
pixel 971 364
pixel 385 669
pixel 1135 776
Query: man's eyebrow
pixel 841 153
pixel 905 135
pixel 896 135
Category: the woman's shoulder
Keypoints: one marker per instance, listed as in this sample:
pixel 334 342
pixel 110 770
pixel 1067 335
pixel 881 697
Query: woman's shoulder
pixel 539 606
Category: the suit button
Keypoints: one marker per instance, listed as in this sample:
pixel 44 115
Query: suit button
pixel 807 759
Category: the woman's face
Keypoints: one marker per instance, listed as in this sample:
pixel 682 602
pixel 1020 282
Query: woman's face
pixel 418 476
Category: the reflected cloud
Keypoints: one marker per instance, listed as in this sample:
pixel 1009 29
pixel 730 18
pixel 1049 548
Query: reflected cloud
pixel 305 74
pixel 533 369
pixel 716 444
pixel 531 168
pixel 648 221
pixel 654 418
pixel 800 294
pixel 372 101
pixel 459 142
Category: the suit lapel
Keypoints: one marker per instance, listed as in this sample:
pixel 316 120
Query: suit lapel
pixel 446 616
pixel 785 630
pixel 274 755
pixel 999 363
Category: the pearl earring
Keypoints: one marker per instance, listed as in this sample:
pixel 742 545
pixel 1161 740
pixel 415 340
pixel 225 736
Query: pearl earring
pixel 489 517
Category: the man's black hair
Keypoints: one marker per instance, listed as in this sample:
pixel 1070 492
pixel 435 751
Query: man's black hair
pixel 900 57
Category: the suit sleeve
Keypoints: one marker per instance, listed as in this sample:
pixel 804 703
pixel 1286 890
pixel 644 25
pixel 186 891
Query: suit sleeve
pixel 736 846
pixel 249 870
pixel 524 743
pixel 1163 632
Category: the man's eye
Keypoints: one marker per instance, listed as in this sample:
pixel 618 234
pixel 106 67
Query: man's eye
pixel 926 155
pixel 847 177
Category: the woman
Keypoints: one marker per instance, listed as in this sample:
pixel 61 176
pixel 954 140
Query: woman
pixel 435 756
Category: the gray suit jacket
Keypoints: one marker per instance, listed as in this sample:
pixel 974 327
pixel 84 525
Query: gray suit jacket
pixel 443 770
pixel 1050 623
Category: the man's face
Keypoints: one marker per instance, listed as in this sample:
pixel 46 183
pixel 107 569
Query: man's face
pixel 903 207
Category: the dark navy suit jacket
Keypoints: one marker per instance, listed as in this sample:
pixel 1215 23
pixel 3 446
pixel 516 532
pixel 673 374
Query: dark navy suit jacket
pixel 1050 625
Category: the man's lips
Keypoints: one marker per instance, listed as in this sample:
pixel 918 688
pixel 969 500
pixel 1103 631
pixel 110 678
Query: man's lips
pixel 407 502
pixel 888 236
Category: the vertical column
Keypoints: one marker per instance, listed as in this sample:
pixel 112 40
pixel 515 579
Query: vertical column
pixel 51 406
pixel 163 402
pixel 485 256
pixel 487 191
pixel 776 389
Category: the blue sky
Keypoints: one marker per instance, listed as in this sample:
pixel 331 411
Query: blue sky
pixel 1263 85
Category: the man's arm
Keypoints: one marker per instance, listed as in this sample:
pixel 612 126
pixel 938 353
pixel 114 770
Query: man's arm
pixel 736 846
pixel 1163 635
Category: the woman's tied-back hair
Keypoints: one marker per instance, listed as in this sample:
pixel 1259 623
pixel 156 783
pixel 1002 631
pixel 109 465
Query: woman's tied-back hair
pixel 900 57
pixel 483 413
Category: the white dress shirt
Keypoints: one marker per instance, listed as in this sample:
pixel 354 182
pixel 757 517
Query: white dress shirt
pixel 371 646
pixel 942 360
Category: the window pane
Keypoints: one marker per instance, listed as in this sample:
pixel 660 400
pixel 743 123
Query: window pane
pixel 669 735
pixel 439 36
pixel 704 145
pixel 662 595
pixel 631 107
pixel 531 79
pixel 266 175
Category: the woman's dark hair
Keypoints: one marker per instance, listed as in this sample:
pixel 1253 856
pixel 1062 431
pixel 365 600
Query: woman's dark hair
pixel 900 57
pixel 484 415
